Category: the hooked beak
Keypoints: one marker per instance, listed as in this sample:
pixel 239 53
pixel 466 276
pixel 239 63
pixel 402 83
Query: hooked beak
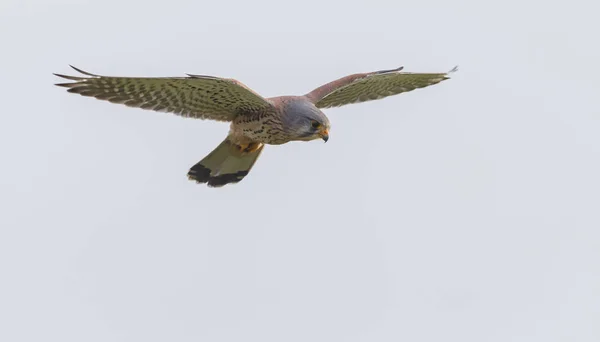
pixel 324 135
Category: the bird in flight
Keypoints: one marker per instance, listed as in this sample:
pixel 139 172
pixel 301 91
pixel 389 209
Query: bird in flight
pixel 255 121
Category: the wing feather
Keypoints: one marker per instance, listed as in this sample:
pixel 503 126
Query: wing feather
pixel 201 97
pixel 372 86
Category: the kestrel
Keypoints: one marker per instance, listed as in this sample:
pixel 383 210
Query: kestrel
pixel 255 121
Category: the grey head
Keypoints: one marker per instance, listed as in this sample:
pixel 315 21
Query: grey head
pixel 302 121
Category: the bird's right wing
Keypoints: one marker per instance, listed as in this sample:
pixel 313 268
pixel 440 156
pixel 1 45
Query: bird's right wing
pixel 201 97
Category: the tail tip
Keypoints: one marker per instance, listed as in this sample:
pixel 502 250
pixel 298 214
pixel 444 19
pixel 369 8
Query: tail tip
pixel 202 175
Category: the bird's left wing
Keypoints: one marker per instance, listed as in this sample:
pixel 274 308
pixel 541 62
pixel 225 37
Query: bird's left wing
pixel 372 86
pixel 201 97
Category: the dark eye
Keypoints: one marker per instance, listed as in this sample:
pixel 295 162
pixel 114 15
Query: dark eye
pixel 315 124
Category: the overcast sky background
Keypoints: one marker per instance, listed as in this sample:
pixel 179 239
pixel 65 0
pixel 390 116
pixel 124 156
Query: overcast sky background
pixel 467 211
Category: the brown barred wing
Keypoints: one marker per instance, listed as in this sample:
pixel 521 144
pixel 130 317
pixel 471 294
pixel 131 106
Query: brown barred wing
pixel 195 96
pixel 372 86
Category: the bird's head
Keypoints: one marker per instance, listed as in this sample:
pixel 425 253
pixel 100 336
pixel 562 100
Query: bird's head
pixel 304 122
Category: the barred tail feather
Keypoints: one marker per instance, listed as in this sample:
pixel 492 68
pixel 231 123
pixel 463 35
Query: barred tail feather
pixel 224 165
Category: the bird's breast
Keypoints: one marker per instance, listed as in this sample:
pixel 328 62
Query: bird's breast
pixel 266 129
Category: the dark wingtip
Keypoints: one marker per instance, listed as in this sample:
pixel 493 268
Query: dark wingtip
pixel 83 72
pixel 66 85
pixel 390 70
pixel 455 69
pixel 72 78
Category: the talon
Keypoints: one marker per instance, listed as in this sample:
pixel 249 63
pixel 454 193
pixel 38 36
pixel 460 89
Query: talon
pixel 242 147
pixel 249 148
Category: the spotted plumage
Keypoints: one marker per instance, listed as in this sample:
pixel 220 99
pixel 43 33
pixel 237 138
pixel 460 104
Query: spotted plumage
pixel 255 121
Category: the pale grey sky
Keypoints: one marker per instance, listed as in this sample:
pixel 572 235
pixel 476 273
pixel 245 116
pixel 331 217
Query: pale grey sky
pixel 467 211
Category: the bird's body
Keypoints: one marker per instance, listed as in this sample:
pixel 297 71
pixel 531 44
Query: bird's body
pixel 254 121
pixel 277 126
pixel 267 127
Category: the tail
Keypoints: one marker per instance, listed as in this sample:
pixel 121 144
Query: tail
pixel 228 163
